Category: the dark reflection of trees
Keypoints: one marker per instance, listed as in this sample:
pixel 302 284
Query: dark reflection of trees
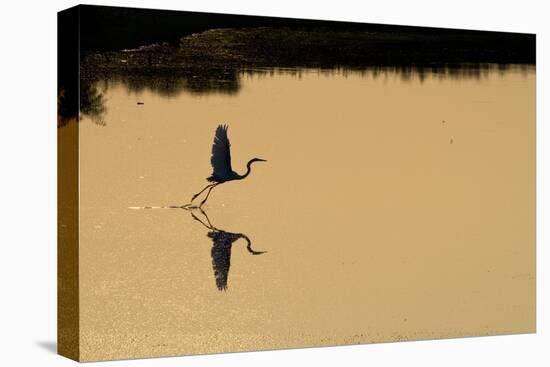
pixel 222 243
pixel 66 108
pixel 194 81
pixel 92 103
pixel 227 80
pixel 406 73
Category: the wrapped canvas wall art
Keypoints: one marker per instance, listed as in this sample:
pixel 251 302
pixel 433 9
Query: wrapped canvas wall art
pixel 237 183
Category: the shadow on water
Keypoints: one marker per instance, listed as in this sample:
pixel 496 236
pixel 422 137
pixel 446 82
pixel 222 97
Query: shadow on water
pixel 222 243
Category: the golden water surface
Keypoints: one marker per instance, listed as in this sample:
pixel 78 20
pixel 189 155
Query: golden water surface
pixel 390 208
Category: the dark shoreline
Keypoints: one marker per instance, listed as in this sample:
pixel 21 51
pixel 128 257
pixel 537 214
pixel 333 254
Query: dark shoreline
pixel 116 28
pixel 319 48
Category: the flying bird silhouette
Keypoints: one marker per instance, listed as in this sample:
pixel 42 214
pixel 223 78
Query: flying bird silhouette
pixel 221 163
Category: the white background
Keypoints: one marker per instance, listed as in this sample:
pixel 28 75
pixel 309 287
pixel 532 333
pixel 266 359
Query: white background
pixel 28 182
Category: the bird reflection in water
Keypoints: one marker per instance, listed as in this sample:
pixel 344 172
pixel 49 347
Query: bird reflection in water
pixel 222 242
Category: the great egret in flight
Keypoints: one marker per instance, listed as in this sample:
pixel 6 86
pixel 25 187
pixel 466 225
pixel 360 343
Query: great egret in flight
pixel 221 163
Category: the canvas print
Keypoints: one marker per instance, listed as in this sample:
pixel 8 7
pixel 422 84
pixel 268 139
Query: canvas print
pixel 234 183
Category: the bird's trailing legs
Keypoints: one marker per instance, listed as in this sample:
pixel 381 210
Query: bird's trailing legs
pixel 208 194
pixel 200 192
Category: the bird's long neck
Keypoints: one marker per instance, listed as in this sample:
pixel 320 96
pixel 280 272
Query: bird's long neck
pixel 248 169
pixel 249 245
pixel 248 242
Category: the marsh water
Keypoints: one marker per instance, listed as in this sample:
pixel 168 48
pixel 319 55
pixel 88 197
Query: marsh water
pixel 391 207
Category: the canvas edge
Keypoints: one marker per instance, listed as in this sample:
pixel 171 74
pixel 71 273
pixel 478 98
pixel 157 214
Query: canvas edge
pixel 68 313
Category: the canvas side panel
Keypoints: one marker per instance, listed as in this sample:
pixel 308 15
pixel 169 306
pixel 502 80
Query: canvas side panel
pixel 67 184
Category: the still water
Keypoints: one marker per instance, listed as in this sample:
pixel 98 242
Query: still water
pixel 390 208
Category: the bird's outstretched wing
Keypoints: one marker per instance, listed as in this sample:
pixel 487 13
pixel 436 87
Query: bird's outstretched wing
pixel 221 256
pixel 221 155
